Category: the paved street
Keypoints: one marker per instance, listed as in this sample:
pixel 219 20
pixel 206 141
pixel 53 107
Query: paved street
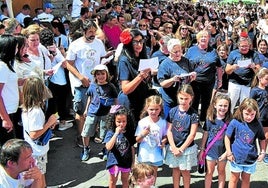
pixel 65 169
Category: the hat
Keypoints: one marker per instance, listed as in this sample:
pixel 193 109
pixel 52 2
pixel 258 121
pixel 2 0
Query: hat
pixel 49 5
pixel 99 68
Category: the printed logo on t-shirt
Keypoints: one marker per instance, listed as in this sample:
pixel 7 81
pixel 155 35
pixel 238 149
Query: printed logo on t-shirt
pixel 122 145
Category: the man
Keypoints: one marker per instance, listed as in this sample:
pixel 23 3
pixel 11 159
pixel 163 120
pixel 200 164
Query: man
pixel 25 12
pixel 82 56
pixel 17 166
pixel 12 26
pixel 46 16
pixel 4 11
pixel 68 14
pixel 76 7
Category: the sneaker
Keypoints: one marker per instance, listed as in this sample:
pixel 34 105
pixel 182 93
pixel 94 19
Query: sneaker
pixel 65 126
pixel 265 159
pixel 97 140
pixel 85 155
pixel 79 142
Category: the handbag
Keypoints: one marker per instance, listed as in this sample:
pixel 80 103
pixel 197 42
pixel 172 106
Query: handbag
pixel 43 139
pixel 201 163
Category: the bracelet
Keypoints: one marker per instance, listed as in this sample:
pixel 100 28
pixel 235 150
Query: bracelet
pixel 116 134
pixel 202 149
pixel 262 153
pixel 229 155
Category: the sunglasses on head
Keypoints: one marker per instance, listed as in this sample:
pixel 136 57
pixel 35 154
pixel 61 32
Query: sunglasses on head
pixel 142 25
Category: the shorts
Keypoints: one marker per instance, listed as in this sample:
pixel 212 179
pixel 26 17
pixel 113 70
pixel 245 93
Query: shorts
pixel 184 162
pixel 114 170
pixel 90 124
pixel 237 168
pixel 157 164
pixel 80 100
pixel 209 158
pixel 41 162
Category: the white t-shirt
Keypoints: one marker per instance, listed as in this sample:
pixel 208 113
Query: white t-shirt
pixel 43 60
pixel 77 5
pixel 7 181
pixel 149 149
pixel 44 17
pixel 86 56
pixel 34 120
pixel 10 92
pixel 25 70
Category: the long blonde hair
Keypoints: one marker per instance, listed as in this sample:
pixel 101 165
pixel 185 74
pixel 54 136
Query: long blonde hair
pixel 260 74
pixel 152 100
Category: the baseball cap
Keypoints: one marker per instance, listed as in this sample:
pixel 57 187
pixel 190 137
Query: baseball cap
pixel 49 5
pixel 98 68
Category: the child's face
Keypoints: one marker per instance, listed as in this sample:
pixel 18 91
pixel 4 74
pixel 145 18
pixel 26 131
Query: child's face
pixel 184 99
pixel 121 121
pixel 147 182
pixel 222 52
pixel 221 107
pixel 264 80
pixel 101 76
pixel 248 116
pixel 154 110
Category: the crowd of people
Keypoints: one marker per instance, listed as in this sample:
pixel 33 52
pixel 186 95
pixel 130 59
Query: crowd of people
pixel 212 73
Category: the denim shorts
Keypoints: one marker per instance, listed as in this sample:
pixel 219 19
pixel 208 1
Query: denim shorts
pixel 80 100
pixel 249 169
pixel 116 169
pixel 90 125
pixel 157 164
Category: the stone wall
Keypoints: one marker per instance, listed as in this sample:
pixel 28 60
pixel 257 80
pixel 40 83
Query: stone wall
pixel 60 6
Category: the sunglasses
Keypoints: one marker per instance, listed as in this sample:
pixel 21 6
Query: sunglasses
pixel 141 25
pixel 184 28
pixel 168 27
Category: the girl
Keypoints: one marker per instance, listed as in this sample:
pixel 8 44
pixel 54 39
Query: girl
pixel 240 143
pixel 151 133
pixel 9 93
pixel 119 143
pixel 182 127
pixel 142 176
pixel 259 92
pixel 219 113
pixel 101 95
pixel 33 120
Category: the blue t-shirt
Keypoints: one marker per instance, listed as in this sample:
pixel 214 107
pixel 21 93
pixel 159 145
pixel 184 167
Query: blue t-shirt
pixel 263 59
pixel 181 124
pixel 161 57
pixel 167 70
pixel 261 96
pixel 204 63
pixel 102 98
pixel 242 75
pixel 218 147
pixel 244 146
pixel 121 153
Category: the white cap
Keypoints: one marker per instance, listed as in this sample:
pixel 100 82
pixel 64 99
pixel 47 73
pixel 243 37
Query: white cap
pixel 99 67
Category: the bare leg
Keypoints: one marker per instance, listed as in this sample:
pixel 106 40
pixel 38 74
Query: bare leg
pixel 176 174
pixel 245 180
pixel 186 178
pixel 209 174
pixel 112 181
pixel 234 178
pixel 221 174
pixel 124 179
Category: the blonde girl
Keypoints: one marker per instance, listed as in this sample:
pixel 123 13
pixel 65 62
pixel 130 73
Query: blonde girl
pixel 33 120
pixel 219 113
pixel 259 92
pixel 182 127
pixel 151 133
pixel 142 176
pixel 240 143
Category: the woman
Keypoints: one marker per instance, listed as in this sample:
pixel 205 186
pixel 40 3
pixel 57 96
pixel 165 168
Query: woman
pixel 38 54
pixel 172 73
pixel 168 27
pixel 9 92
pixel 206 62
pixel 133 83
pixel 262 51
pixel 184 36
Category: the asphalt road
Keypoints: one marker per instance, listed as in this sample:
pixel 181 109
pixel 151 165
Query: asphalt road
pixel 65 168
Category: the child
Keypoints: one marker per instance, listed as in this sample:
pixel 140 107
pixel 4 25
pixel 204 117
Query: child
pixel 101 95
pixel 119 143
pixel 219 113
pixel 142 176
pixel 33 120
pixel 151 133
pixel 240 142
pixel 259 92
pixel 182 127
